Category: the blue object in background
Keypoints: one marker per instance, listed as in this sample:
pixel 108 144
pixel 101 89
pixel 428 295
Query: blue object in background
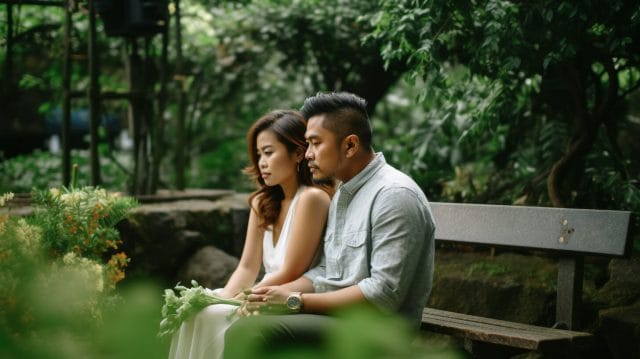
pixel 80 123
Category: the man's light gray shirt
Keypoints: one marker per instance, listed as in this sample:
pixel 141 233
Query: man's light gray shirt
pixel 380 236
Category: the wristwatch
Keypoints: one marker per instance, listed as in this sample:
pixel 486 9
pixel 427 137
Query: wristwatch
pixel 294 302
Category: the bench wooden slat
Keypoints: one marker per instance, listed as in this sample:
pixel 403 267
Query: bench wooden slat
pixel 500 332
pixel 599 232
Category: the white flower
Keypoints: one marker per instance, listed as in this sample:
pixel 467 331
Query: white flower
pixel 88 270
pixel 6 198
pixel 28 236
pixel 186 304
pixel 55 192
pixel 69 258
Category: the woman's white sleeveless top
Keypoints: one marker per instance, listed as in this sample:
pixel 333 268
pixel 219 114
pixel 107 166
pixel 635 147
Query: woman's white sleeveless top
pixel 273 256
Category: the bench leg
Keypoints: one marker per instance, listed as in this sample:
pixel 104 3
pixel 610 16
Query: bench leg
pixel 487 350
pixel 569 294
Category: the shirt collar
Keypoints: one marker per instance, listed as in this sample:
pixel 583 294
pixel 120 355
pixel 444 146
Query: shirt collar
pixel 353 185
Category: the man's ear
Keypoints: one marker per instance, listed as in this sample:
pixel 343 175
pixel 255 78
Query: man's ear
pixel 351 145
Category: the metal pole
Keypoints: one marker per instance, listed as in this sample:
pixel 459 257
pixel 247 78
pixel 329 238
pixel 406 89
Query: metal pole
pixel 134 110
pixel 8 62
pixel 180 157
pixel 162 103
pixel 66 101
pixel 94 100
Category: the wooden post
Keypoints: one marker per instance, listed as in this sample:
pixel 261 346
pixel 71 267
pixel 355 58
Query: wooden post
pixel 94 99
pixel 66 100
pixel 569 294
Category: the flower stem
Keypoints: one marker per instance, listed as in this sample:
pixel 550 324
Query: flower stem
pixel 74 176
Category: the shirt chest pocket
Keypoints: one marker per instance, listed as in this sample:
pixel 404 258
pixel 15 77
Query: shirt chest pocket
pixel 354 239
pixel 347 255
pixel 354 253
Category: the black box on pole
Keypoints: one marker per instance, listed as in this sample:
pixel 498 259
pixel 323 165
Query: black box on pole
pixel 133 17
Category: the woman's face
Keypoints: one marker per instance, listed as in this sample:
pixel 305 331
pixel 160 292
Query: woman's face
pixel 277 166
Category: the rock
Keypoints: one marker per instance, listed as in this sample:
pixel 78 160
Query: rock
pixel 209 266
pixel 499 287
pixel 620 328
pixel 160 237
pixel 623 287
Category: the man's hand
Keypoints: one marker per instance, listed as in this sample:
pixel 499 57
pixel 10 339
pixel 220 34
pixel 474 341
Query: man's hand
pixel 265 300
pixel 270 294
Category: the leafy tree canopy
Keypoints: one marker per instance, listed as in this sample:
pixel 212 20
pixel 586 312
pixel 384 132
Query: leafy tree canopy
pixel 557 68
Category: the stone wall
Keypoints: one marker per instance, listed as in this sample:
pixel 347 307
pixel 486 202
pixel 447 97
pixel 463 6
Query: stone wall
pixel 186 239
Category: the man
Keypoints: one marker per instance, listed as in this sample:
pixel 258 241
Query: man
pixel 378 244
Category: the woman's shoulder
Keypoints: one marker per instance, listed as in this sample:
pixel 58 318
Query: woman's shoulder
pixel 311 194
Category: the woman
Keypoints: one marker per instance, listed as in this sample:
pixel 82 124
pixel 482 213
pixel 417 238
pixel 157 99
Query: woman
pixel 286 221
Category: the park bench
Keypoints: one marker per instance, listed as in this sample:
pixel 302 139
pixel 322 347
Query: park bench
pixel 566 234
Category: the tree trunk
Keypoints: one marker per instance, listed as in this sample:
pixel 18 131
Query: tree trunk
pixel 587 123
pixel 574 84
pixel 577 148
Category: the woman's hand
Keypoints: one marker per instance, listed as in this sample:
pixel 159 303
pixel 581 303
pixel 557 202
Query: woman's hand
pixel 242 295
pixel 270 294
pixel 265 300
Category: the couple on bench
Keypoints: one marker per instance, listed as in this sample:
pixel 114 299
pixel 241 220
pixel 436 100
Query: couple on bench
pixel 375 228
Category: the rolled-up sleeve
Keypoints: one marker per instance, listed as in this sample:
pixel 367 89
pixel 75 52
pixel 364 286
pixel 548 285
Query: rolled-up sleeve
pixel 397 246
pixel 318 271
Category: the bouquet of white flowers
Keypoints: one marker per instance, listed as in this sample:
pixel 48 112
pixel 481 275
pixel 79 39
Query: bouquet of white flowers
pixel 188 302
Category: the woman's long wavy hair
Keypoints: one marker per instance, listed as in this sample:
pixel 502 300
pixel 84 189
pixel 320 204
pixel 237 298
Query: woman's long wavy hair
pixel 289 127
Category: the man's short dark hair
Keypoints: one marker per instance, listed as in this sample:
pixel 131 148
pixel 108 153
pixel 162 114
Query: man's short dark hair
pixel 344 114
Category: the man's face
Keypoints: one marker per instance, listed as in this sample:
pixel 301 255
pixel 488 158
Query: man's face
pixel 323 153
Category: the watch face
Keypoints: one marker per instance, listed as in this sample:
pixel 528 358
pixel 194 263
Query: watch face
pixel 293 302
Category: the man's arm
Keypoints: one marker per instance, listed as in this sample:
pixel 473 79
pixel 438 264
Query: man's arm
pixel 311 302
pixel 399 225
pixel 321 303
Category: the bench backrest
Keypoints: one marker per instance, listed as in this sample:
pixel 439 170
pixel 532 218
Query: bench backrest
pixel 585 231
pixel 571 233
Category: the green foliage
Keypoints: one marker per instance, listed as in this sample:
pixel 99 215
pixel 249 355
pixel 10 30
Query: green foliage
pixel 127 331
pixel 455 141
pixel 484 110
pixel 359 332
pixel 544 88
pixel 57 284
pixel 221 167
pixel 246 58
pixel 80 220
pixel 491 269
pixel 41 170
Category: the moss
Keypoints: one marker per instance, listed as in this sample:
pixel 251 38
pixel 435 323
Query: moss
pixel 490 269
pixel 528 270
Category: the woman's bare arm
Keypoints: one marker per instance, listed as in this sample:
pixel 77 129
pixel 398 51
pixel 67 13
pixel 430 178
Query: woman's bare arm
pixel 247 271
pixel 306 232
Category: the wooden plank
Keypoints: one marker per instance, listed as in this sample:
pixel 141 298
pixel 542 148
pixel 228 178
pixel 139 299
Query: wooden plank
pixel 500 332
pixel 599 232
pixel 487 333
